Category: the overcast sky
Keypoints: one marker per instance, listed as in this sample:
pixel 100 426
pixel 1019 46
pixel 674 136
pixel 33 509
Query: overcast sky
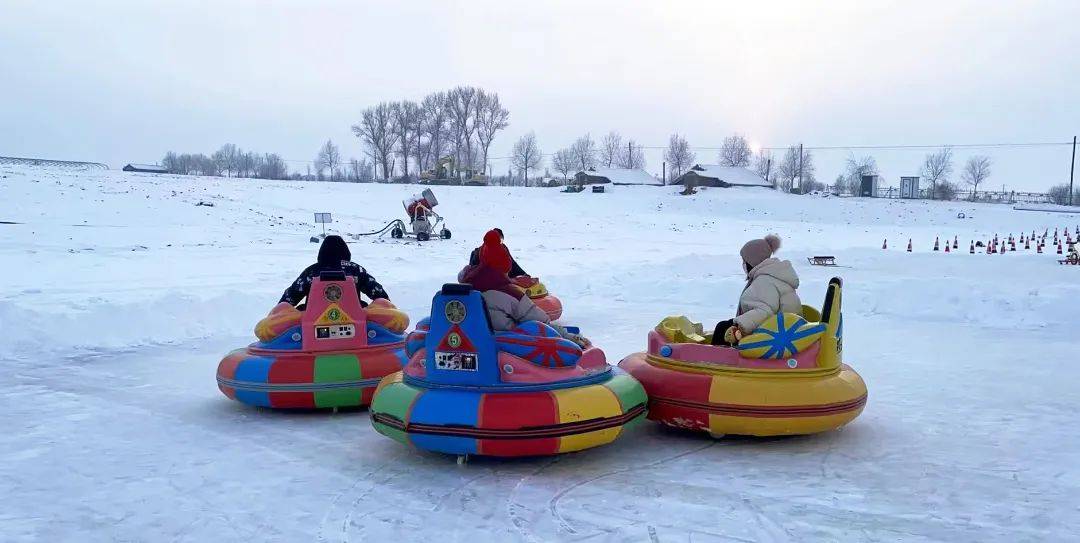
pixel 126 81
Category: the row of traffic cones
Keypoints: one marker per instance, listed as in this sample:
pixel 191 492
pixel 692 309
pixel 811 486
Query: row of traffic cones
pixel 1061 238
pixel 995 245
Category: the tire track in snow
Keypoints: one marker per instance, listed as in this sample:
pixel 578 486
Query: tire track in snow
pixel 516 511
pixel 337 498
pixel 350 524
pixel 553 504
pixel 512 507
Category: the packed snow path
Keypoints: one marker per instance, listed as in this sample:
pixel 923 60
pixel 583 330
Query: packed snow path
pixel 113 428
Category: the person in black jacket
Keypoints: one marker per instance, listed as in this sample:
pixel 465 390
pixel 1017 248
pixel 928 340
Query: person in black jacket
pixel 334 255
pixel 515 269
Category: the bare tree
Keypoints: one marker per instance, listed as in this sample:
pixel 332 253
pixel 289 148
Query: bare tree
pixel 526 156
pixel 171 163
pixel 631 156
pixel 976 170
pixel 274 167
pixel 610 147
pixel 855 168
pixel 937 168
pixel 584 151
pixel 376 130
pixel 491 117
pixel 226 158
pixel 254 163
pixel 840 185
pixel 462 102
pixel 436 127
pixel 405 115
pixel 807 171
pixel 329 158
pixel 1059 194
pixel 678 155
pixel 416 133
pixel 360 170
pixel 763 165
pixel 563 162
pixel 794 166
pixel 735 152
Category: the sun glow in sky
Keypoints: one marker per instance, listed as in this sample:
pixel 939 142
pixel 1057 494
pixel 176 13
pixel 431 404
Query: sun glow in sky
pixel 126 81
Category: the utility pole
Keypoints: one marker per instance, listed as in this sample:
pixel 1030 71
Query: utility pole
pixel 800 169
pixel 1072 169
pixel 629 154
pixel 664 177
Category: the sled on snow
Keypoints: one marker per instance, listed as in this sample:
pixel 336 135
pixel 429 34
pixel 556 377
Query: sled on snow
pixel 822 260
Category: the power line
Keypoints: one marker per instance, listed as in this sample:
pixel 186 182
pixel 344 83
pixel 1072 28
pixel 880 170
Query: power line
pixel 895 147
pixel 838 148
pixel 952 145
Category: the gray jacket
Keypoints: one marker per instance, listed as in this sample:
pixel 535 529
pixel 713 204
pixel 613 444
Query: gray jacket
pixel 506 312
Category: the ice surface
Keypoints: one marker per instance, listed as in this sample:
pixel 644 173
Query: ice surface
pixel 121 295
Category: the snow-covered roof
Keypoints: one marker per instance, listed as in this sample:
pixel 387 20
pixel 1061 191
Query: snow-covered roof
pixel 623 176
pixel 149 167
pixel 732 175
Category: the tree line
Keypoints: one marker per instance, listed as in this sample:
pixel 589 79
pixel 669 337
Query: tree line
pixel 406 137
pixel 229 160
pixel 451 133
pixel 584 154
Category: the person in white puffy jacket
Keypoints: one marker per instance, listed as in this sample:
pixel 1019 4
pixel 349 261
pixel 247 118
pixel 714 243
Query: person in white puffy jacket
pixel 770 289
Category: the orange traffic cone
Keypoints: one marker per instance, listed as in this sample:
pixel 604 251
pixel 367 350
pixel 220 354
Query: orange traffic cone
pixel 1059 248
pixel 909 245
pixel 1027 244
pixel 972 249
pixel 885 244
pixel 955 246
pixel 935 243
pixel 1038 248
pixel 990 248
pixel 946 246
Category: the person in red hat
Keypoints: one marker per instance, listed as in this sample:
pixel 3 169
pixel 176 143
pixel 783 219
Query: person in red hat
pixel 515 269
pixel 506 303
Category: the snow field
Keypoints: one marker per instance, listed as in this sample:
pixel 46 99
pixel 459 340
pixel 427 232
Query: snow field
pixel 121 295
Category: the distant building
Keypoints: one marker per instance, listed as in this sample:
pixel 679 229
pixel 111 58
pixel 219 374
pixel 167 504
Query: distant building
pixel 145 168
pixel 868 186
pixel 615 176
pixel 909 187
pixel 714 175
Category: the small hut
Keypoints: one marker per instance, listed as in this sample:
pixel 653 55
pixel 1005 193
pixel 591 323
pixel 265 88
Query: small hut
pixel 145 168
pixel 714 175
pixel 615 176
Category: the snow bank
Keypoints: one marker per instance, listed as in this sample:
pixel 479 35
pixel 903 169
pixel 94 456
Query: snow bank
pixel 99 324
pixel 1050 208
